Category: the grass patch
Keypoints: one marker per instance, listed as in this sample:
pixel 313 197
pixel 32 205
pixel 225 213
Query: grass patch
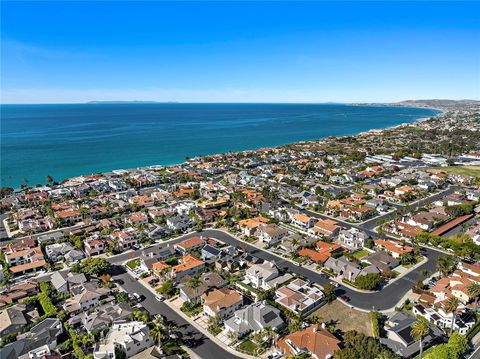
pixel 248 347
pixel 361 253
pixel 248 287
pixel 171 347
pixel 133 263
pixel 473 171
pixel 191 309
pixel 215 330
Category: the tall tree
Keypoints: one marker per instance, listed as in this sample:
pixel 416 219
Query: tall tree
pixel 451 306
pixel 419 330
pixel 445 265
pixel 157 334
pixel 194 283
pixel 474 291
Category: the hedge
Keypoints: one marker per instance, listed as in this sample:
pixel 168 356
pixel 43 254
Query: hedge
pixel 375 324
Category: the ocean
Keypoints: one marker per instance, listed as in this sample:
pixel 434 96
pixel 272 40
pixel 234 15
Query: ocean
pixel 70 140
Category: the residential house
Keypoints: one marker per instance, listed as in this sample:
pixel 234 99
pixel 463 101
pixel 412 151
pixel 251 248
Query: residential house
pixel 399 338
pixel 69 216
pixel 63 281
pixel 395 248
pixel 159 269
pixel 56 251
pixel 142 201
pixel 382 260
pixel 94 246
pixel 271 233
pixel 258 275
pixel 208 281
pixel 12 319
pixel 210 253
pixel 188 245
pixel 74 256
pixel 102 317
pixel 250 226
pixel 322 253
pixel 131 337
pixel 442 319
pixel 137 219
pixel 222 302
pixel 85 296
pixel 352 238
pixel 23 256
pixel 347 269
pixel 314 341
pixel 126 238
pixel 426 220
pixel 325 228
pixel 255 318
pixel 40 341
pixel 189 266
pixel 179 223
pixel 18 291
pixel 302 220
pixel 298 296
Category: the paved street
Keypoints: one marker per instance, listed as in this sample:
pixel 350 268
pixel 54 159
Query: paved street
pixel 385 299
pixel 191 337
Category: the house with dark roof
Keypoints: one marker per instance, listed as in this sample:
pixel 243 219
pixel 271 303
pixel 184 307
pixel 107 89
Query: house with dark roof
pixel 210 253
pixel 382 260
pixel 208 281
pixel 399 338
pixel 102 317
pixel 40 340
pixel 254 318
pixel 12 319
pixel 348 269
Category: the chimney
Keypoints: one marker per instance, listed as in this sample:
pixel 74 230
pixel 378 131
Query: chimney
pixel 324 326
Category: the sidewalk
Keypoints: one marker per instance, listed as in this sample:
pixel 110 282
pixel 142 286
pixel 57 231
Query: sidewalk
pixel 198 326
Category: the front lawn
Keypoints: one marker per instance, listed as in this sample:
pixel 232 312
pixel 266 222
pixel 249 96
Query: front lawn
pixel 248 347
pixel 133 263
pixel 215 329
pixel 361 253
pixel 191 309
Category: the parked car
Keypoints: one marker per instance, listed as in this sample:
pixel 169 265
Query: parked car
pixel 345 298
pixel 159 298
pixel 335 284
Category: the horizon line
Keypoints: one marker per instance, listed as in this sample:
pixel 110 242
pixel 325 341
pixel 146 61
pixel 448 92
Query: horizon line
pixel 119 102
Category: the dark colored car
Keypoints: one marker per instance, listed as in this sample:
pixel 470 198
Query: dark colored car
pixel 345 298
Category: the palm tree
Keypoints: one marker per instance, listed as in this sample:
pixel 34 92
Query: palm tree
pixel 445 265
pixel 157 334
pixel 474 291
pixel 451 307
pixel 419 330
pixel 194 283
pixel 169 328
pixel 232 336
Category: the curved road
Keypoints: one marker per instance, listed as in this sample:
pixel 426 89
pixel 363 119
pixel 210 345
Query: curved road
pixel 387 298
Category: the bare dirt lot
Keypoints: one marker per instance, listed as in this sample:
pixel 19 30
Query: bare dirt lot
pixel 345 318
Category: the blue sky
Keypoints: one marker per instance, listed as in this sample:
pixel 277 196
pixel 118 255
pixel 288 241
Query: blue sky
pixel 63 52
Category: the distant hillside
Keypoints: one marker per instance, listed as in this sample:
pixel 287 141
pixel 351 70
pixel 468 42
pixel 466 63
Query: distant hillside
pixel 434 103
pixel 437 102
pixel 126 102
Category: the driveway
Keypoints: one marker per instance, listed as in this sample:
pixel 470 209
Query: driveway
pixel 191 337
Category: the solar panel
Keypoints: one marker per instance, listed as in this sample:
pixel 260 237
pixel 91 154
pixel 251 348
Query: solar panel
pixel 268 317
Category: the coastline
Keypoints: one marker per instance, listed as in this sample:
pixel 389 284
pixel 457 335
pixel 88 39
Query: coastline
pixel 256 148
